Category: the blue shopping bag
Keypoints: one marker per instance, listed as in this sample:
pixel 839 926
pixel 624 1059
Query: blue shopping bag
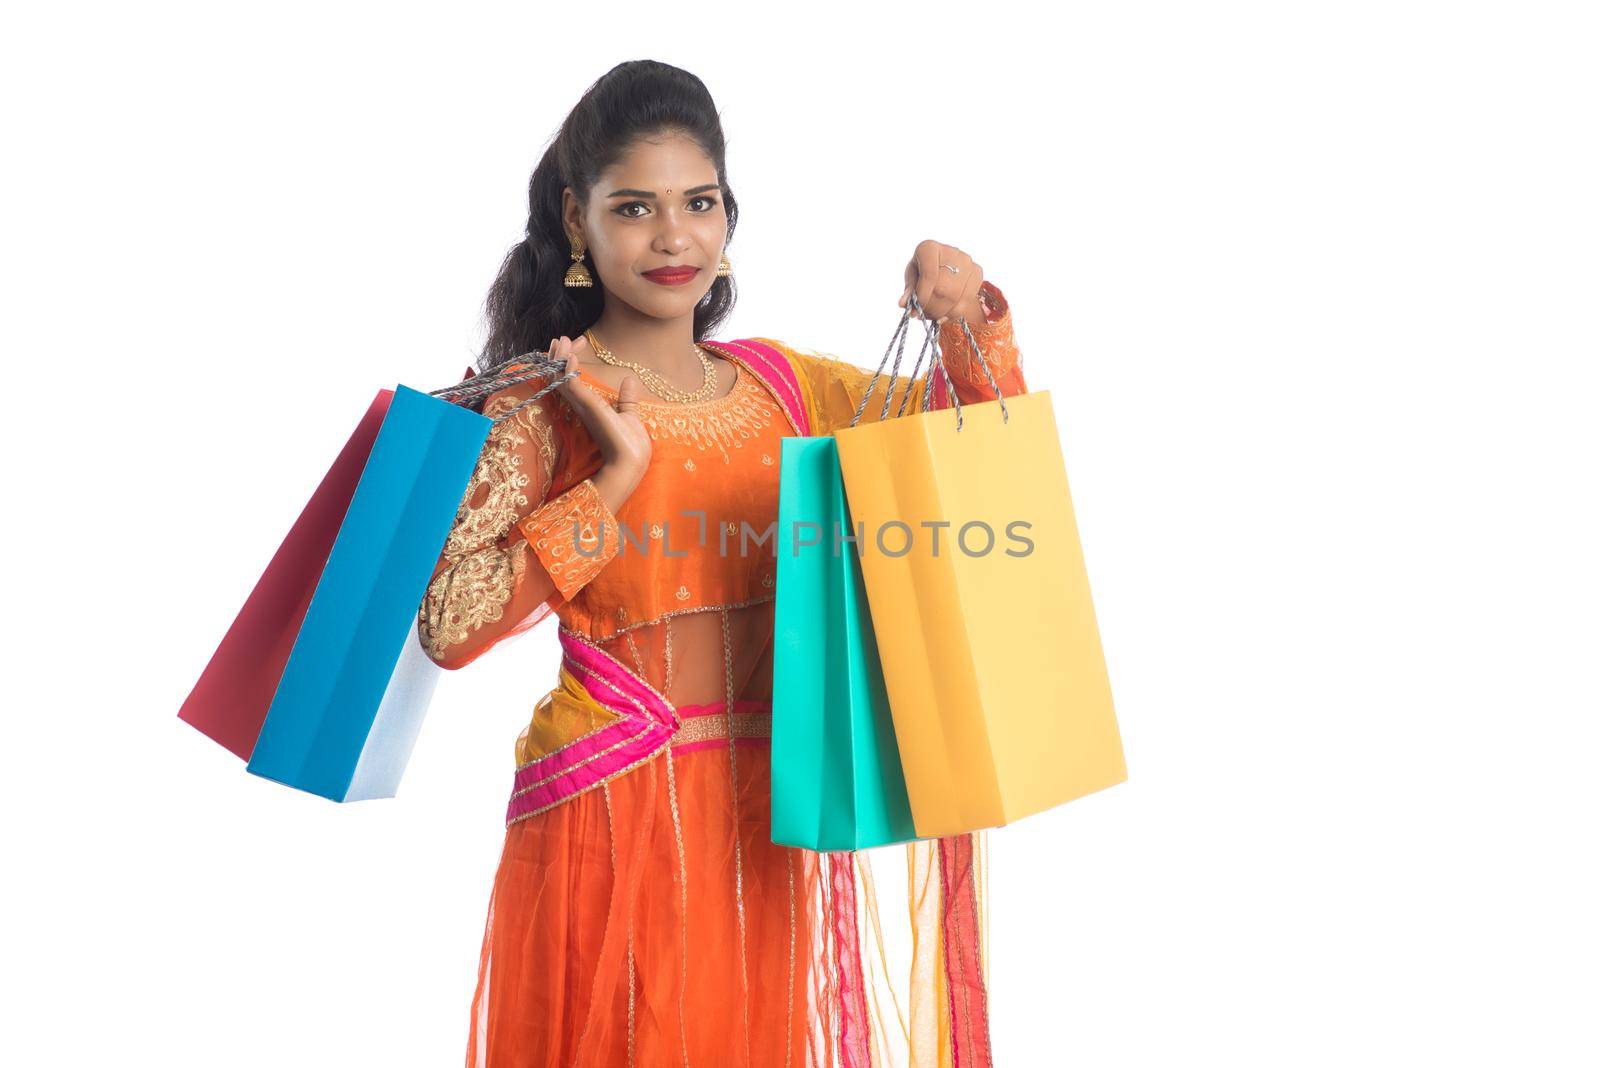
pixel 836 777
pixel 350 701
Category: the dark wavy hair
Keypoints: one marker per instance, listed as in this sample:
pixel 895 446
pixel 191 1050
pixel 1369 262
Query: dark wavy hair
pixel 528 306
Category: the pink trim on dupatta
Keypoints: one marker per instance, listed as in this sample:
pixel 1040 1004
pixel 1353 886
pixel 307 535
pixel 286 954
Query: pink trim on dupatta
pixel 941 393
pixel 569 757
pixel 963 963
pixel 776 373
pixel 645 723
pixel 852 990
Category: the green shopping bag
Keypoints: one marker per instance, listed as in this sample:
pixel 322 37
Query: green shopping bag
pixel 836 778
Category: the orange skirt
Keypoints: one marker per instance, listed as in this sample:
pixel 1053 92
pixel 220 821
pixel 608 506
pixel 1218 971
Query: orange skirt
pixel 630 925
pixel 626 928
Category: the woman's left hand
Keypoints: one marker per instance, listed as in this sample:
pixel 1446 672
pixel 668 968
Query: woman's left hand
pixel 941 290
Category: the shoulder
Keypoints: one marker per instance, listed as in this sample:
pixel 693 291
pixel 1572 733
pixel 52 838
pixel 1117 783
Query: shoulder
pixel 785 371
pixel 544 417
pixel 772 358
pixel 742 346
pixel 799 358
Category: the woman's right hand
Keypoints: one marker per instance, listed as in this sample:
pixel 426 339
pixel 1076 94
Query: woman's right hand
pixel 620 435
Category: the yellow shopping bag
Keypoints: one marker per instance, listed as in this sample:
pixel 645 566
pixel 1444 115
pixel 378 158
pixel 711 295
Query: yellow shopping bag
pixel 980 601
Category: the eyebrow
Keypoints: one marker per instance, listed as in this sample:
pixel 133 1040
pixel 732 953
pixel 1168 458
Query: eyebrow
pixel 646 193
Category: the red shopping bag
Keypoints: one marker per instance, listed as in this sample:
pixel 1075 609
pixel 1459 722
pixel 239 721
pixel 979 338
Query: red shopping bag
pixel 229 703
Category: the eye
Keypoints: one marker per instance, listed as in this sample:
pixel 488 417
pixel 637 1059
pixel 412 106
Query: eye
pixel 625 210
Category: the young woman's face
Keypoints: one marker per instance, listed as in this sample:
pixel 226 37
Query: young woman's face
pixel 660 206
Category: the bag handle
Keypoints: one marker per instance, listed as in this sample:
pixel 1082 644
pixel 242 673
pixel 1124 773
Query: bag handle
pixel 894 372
pixel 471 392
pixel 1005 415
pixel 930 340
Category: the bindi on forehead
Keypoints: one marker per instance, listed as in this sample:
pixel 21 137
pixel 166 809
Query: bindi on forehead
pixel 706 188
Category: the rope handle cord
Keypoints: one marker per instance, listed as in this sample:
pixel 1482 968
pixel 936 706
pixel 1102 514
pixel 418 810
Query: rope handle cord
pixel 529 366
pixel 930 341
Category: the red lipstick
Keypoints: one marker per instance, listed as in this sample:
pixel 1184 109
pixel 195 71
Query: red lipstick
pixel 672 276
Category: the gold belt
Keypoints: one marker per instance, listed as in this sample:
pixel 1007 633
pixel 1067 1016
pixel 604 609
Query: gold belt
pixel 715 725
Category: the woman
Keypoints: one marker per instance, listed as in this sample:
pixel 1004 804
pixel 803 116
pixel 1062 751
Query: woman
pixel 641 913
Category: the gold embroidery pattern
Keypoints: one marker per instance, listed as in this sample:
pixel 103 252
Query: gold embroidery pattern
pixel 611 833
pixel 683 902
pixel 720 423
pixel 530 419
pixel 738 854
pixel 577 518
pixel 667 627
pixel 740 354
pixel 480 576
pixel 638 657
pixel 472 591
pixel 995 338
pixel 611 827
pixel 495 495
pixel 712 727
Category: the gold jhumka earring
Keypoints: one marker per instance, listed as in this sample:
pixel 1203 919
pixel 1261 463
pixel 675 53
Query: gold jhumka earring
pixel 724 269
pixel 578 274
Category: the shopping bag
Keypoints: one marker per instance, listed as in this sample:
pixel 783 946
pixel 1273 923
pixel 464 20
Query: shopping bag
pixel 836 778
pixel 229 702
pixel 987 635
pixel 321 683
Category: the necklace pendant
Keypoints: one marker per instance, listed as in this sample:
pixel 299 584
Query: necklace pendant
pixel 653 379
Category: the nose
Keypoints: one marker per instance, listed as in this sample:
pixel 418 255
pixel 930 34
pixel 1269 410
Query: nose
pixel 672 235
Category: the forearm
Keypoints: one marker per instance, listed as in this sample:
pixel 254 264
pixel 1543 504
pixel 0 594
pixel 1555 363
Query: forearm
pixel 476 600
pixel 483 597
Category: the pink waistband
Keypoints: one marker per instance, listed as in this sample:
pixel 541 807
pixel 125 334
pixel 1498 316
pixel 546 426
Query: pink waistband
pixel 646 722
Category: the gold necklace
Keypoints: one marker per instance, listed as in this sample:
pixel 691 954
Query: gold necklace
pixel 653 379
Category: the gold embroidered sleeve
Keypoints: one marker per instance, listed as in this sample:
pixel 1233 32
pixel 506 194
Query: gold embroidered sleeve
pixel 573 537
pixel 483 588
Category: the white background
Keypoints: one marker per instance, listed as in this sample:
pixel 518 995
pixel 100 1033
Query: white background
pixel 1312 287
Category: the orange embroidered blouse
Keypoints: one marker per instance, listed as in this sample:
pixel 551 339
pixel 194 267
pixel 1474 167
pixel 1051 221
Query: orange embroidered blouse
pixel 680 583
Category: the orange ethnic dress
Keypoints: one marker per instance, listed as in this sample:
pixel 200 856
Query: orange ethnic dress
pixel 641 914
